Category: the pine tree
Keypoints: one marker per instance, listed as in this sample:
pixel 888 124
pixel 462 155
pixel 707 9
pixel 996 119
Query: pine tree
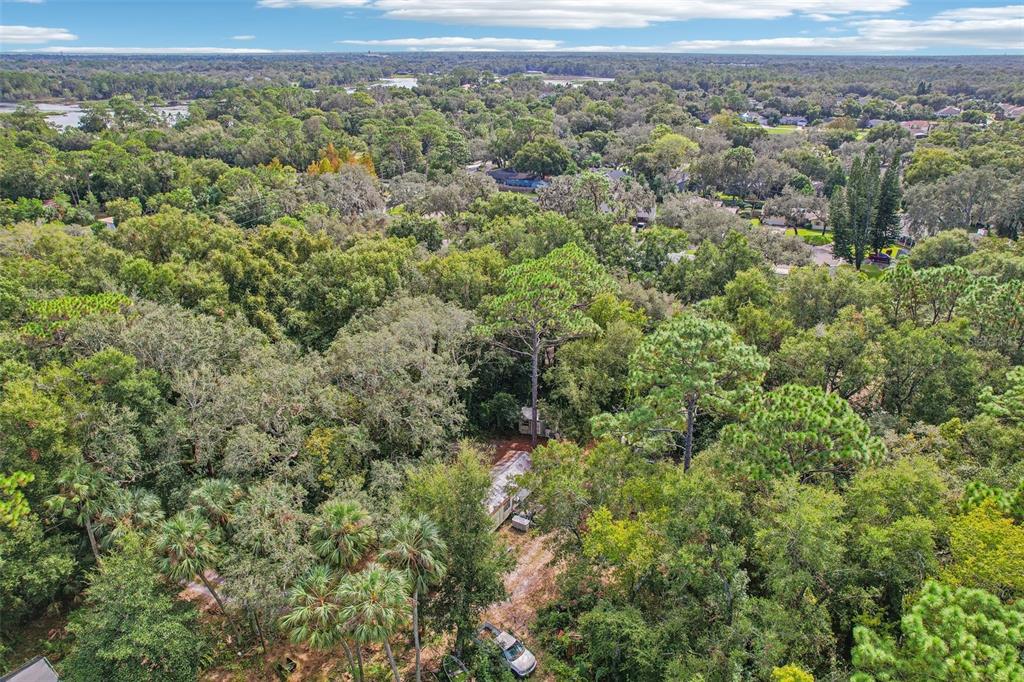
pixel 886 227
pixel 854 212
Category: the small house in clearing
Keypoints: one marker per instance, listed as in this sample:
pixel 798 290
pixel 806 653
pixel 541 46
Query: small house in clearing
pixel 917 128
pixel 753 117
pixel 1009 112
pixel 526 416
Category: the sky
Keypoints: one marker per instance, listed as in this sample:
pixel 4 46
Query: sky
pixel 856 27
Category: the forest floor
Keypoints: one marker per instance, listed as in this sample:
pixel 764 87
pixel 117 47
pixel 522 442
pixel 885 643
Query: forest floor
pixel 531 584
pixel 503 447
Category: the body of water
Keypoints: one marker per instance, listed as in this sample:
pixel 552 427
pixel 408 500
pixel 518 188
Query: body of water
pixel 575 81
pixel 70 114
pixel 400 82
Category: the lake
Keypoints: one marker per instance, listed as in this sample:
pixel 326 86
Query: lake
pixel 397 82
pixel 70 114
pixel 575 81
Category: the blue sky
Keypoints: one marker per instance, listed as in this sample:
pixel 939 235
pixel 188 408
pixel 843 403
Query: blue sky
pixel 687 26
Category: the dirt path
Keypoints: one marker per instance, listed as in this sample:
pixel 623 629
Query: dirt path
pixel 530 585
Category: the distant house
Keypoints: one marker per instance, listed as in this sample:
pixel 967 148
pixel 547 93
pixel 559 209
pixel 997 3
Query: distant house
pixel 774 221
pixel 753 117
pixel 1009 112
pixel 948 112
pixel 36 670
pixel 800 121
pixel 516 180
pixel 917 128
pixel 679 178
pixel 644 217
pixel 875 122
pixel 614 174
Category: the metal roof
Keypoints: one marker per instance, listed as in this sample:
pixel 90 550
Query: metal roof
pixel 36 670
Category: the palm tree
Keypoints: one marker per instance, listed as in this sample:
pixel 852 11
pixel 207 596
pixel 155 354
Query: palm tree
pixel 314 617
pixel 414 545
pixel 188 546
pixel 82 492
pixel 129 510
pixel 342 533
pixel 373 603
pixel 216 498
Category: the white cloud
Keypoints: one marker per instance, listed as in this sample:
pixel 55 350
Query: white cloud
pixel 588 14
pixel 990 28
pixel 27 2
pixel 462 44
pixel 33 35
pixel 163 50
pixel 243 37
pixel 1007 12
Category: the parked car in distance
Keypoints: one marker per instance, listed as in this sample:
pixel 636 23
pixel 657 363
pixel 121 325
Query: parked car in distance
pixel 518 658
pixel 880 258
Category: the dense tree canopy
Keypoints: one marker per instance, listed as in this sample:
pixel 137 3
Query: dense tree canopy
pixel 260 366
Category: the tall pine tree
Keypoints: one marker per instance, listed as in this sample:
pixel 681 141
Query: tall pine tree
pixel 864 214
pixel 887 221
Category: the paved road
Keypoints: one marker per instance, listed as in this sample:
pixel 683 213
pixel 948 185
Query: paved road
pixel 822 255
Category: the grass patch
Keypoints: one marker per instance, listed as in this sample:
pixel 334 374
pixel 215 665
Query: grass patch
pixel 783 130
pixel 775 130
pixel 812 237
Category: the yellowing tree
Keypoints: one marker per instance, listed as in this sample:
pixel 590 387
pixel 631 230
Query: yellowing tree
pixel 988 552
pixel 331 160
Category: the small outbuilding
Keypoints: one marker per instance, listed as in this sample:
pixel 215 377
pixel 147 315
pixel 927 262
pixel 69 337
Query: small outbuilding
pixel 505 496
pixel 36 670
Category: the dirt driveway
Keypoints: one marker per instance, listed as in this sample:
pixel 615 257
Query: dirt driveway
pixel 530 585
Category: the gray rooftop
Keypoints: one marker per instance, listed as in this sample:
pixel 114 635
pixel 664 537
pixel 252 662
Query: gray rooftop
pixel 36 670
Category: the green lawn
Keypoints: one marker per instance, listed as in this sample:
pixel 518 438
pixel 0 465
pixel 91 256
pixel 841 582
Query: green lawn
pixel 801 232
pixel 776 130
pixel 804 232
pixel 783 130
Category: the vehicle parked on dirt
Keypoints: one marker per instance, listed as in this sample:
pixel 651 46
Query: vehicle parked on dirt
pixel 517 657
pixel 880 258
